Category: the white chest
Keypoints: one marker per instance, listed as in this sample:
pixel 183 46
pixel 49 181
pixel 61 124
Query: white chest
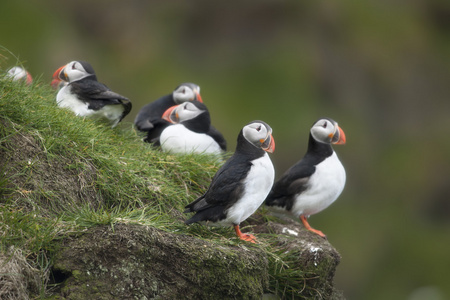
pixel 68 100
pixel 325 186
pixel 178 139
pixel 257 186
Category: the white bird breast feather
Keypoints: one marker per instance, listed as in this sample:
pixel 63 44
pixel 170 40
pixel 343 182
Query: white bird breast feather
pixel 179 139
pixel 325 186
pixel 257 186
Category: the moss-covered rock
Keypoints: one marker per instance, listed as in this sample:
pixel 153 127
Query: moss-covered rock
pixel 307 252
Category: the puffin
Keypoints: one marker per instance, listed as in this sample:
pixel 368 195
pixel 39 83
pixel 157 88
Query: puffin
pixel 189 132
pixel 87 97
pixel 18 73
pixel 149 118
pixel 316 181
pixel 242 183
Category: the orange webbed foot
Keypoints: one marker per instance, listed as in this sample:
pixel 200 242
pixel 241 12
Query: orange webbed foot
pixel 307 226
pixel 249 238
pixel 318 232
pixel 245 237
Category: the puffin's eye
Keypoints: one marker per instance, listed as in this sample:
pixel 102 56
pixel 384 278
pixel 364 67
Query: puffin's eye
pixel 73 66
pixel 325 125
pixel 259 128
pixel 183 91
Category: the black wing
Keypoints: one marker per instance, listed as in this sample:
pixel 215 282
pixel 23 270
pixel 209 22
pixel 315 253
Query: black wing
pixel 91 91
pixel 152 112
pixel 292 183
pixel 218 137
pixel 226 187
pixel 154 133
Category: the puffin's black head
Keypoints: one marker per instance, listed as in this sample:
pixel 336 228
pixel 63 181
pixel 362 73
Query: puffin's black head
pixel 186 92
pixel 73 71
pixel 327 131
pixel 259 134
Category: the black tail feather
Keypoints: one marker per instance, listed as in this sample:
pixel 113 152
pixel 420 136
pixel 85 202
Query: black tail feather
pixel 212 214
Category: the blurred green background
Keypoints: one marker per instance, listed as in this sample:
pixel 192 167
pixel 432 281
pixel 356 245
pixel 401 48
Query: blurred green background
pixel 379 68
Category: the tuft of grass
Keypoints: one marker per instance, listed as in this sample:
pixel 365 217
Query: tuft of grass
pixel 86 217
pixel 285 280
pixel 28 231
pixel 17 275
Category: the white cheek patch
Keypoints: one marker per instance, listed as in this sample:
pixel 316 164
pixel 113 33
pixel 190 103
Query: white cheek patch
pixel 253 135
pixel 187 114
pixel 75 71
pixel 180 96
pixel 321 134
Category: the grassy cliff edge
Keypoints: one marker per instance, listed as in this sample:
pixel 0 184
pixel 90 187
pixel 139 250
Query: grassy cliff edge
pixel 90 210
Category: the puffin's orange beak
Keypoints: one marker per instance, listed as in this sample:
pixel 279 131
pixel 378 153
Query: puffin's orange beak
pixel 199 98
pixel 268 144
pixel 170 114
pixel 340 139
pixel 29 79
pixel 57 74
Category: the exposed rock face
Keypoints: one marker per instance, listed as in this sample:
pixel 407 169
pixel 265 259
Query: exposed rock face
pixel 139 262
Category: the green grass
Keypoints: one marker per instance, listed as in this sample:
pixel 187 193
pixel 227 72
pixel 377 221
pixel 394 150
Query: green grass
pixel 128 175
pixel 123 180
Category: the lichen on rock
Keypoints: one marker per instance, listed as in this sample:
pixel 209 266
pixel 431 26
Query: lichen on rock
pixel 140 262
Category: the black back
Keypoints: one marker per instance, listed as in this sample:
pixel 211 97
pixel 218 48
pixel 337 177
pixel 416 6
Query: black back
pixel 218 137
pixel 149 119
pixel 153 112
pixel 295 180
pixel 98 95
